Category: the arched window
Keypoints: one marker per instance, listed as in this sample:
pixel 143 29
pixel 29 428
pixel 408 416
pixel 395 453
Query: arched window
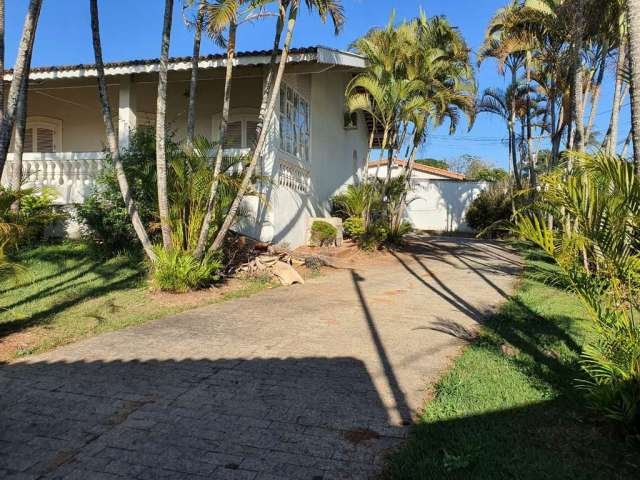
pixel 43 135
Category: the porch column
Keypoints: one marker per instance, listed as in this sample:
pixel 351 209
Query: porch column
pixel 126 110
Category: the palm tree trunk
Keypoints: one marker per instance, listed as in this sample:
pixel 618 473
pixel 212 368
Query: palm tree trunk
pixel 268 114
pixel 1 58
pixel 633 15
pixel 161 131
pixel 595 92
pixel 112 139
pixel 512 135
pixel 576 99
pixel 20 71
pixel 224 122
pixel 18 143
pixel 612 133
pixel 193 84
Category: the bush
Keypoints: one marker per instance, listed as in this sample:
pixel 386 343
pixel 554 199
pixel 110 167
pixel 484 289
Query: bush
pixel 491 211
pixel 375 236
pixel 103 213
pixel 354 227
pixel 178 271
pixel 323 233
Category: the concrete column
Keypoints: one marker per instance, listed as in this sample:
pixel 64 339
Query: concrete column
pixel 126 110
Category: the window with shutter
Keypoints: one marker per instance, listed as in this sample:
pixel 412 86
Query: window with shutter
pixel 251 133
pixel 28 140
pixel 234 135
pixel 44 140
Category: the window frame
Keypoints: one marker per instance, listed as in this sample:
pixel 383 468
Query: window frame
pixel 243 116
pixel 306 149
pixel 49 123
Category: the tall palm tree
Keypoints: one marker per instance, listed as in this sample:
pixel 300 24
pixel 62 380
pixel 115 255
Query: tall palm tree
pixel 195 59
pixel 331 8
pixel 18 143
pixel 161 127
pixel 112 139
pixel 633 16
pixel 224 13
pixel 20 71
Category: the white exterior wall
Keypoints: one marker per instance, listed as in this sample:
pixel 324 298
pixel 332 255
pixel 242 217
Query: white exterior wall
pixel 441 205
pixel 331 166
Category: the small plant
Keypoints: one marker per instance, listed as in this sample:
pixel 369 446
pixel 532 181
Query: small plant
pixel 178 271
pixel 323 233
pixel 313 263
pixel 375 236
pixel 354 227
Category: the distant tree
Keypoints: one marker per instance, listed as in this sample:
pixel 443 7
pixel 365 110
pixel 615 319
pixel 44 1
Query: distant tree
pixel 432 162
pixel 474 168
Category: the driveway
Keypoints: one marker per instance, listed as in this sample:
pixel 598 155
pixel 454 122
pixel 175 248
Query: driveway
pixel 308 382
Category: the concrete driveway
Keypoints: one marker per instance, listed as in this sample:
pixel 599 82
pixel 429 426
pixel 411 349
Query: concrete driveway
pixel 309 382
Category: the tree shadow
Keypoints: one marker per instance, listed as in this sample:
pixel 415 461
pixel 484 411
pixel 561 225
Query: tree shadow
pixel 228 418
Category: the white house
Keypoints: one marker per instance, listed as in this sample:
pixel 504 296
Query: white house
pixel 311 153
pixel 439 198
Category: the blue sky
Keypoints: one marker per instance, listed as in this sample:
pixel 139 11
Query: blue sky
pixel 131 29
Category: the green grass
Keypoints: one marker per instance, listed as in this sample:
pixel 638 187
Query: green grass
pixel 508 407
pixel 67 292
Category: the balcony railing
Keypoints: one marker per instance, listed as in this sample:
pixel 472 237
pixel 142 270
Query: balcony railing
pixel 71 174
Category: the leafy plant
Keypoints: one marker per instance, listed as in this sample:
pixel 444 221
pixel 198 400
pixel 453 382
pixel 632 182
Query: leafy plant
pixel 354 227
pixel 490 211
pixel 323 233
pixel 178 271
pixel 596 243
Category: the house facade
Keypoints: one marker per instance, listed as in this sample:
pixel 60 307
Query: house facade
pixel 310 155
pixel 439 199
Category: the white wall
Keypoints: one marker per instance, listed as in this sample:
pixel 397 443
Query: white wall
pixel 441 204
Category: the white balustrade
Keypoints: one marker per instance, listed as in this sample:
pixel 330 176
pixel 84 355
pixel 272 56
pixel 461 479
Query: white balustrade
pixel 71 174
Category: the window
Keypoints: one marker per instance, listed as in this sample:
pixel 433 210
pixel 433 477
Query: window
pixel 241 131
pixel 294 123
pixel 42 135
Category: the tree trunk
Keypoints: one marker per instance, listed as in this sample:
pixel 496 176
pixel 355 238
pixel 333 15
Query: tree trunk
pixel 512 136
pixel 1 59
pixel 627 142
pixel 268 114
pixel 20 71
pixel 633 15
pixel 576 99
pixel 193 84
pixel 161 131
pixel 612 133
pixel 112 138
pixel 595 92
pixel 18 143
pixel 224 122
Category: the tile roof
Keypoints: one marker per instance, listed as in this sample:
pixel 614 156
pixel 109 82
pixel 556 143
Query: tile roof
pixel 422 168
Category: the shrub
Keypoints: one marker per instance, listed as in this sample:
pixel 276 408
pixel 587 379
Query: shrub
pixel 356 201
pixel 178 271
pixel 491 211
pixel 375 236
pixel 323 233
pixel 103 213
pixel 354 227
pixel 396 233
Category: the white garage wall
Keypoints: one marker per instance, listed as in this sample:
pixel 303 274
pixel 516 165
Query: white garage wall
pixel 441 205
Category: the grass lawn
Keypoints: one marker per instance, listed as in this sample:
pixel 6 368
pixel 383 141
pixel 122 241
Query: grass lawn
pixel 67 292
pixel 508 407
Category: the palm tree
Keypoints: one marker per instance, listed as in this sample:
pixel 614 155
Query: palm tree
pixel 18 143
pixel 633 16
pixel 161 127
pixel 112 139
pixel 222 13
pixel 331 8
pixel 195 58
pixel 20 72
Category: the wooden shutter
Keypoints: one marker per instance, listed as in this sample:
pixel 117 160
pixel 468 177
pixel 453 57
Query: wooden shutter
pixel 28 140
pixel 251 133
pixel 234 135
pixel 45 140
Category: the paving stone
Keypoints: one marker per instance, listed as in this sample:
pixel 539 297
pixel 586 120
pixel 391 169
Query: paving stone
pixel 310 382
